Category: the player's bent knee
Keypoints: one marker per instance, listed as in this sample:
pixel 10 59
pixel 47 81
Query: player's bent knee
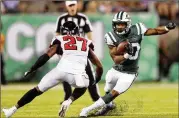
pixel 121 90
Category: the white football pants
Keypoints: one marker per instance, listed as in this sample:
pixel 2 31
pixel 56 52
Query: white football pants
pixel 55 76
pixel 118 81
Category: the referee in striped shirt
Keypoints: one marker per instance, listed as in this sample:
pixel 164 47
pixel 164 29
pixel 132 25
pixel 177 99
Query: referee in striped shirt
pixel 85 29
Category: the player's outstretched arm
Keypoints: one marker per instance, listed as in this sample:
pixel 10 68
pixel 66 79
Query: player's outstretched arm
pixel 160 29
pixel 99 68
pixel 43 59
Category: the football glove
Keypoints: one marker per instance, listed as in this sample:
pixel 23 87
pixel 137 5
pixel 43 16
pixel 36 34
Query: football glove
pixel 26 74
pixel 129 49
pixel 97 79
pixel 171 25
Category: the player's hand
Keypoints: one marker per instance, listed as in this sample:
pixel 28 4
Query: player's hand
pixel 129 49
pixel 171 25
pixel 97 79
pixel 91 83
pixel 27 73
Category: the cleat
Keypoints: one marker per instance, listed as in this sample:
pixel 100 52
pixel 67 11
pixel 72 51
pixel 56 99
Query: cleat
pixel 104 110
pixel 9 112
pixel 64 107
pixel 62 111
pixel 83 113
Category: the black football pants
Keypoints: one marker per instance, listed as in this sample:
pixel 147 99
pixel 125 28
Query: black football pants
pixel 92 89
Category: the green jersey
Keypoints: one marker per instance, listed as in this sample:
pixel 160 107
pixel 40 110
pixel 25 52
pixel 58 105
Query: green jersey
pixel 134 36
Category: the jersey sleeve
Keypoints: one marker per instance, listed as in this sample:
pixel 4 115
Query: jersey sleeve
pixel 54 41
pixel 141 28
pixel 109 39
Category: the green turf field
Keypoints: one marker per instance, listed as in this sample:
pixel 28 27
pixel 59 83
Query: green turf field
pixel 142 100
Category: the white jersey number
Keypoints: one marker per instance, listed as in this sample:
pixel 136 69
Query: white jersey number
pixel 136 48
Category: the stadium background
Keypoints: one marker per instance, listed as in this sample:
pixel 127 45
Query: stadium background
pixel 27 35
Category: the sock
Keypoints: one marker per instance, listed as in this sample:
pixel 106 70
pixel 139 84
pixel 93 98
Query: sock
pixel 67 90
pixel 111 103
pixel 28 97
pixel 77 93
pixel 99 103
pixel 108 98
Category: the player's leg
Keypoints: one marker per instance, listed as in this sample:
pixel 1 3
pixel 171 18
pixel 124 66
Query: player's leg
pixel 78 92
pixel 47 82
pixel 122 85
pixel 67 90
pixel 93 90
pixel 167 68
pixel 3 79
pixel 81 82
pixel 111 81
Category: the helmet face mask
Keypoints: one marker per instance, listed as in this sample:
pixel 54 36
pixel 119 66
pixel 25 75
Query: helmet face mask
pixel 121 23
pixel 120 26
pixel 69 28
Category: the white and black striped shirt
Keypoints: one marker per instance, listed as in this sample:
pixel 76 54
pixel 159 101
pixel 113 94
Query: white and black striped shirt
pixel 80 19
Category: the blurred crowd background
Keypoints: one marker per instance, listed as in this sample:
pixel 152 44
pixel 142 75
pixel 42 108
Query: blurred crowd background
pixel 167 11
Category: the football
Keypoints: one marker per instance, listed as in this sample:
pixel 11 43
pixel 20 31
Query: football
pixel 121 48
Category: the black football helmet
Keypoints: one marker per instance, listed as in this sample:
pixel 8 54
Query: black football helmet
pixel 69 28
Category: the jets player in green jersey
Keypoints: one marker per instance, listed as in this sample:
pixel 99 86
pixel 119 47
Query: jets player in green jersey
pixel 124 71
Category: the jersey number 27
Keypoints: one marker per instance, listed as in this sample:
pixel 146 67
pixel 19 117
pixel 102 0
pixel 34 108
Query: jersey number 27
pixel 72 43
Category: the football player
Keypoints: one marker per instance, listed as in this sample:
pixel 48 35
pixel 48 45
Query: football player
pixel 124 71
pixel 75 51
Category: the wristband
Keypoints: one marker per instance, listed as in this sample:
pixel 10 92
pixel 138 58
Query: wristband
pixel 126 55
pixel 166 28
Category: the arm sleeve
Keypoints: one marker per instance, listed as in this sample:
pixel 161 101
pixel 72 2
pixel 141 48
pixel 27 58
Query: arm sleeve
pixel 141 28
